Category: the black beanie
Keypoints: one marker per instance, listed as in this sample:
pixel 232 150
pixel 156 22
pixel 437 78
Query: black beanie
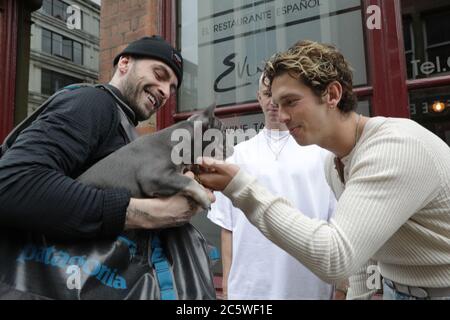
pixel 157 48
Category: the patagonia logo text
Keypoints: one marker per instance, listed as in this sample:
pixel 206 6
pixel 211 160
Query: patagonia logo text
pixel 61 259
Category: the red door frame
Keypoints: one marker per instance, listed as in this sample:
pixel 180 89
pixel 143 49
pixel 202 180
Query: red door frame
pixel 8 54
pixel 386 61
pixel 166 116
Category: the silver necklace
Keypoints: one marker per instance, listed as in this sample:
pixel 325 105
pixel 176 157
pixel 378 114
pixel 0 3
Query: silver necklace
pixel 269 144
pixel 339 166
pixel 274 136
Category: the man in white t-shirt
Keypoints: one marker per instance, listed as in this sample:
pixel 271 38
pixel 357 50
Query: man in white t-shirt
pixel 253 267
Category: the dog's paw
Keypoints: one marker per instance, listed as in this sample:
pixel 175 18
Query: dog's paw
pixel 198 193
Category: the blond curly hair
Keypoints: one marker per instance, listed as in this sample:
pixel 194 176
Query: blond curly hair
pixel 317 66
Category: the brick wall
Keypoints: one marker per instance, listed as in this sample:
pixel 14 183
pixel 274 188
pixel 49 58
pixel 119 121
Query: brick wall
pixel 121 22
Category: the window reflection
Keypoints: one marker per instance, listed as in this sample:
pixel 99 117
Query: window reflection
pixel 427 40
pixel 431 108
pixel 225 43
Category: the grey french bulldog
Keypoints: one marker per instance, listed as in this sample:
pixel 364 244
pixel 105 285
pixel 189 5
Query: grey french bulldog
pixel 145 166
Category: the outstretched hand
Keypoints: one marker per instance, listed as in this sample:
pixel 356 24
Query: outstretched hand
pixel 216 174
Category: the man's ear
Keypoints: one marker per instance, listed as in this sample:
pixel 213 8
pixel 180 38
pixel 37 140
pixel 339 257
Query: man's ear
pixel 124 64
pixel 206 116
pixel 334 95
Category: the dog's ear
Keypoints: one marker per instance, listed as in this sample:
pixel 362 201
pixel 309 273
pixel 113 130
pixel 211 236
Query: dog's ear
pixel 206 116
pixel 208 113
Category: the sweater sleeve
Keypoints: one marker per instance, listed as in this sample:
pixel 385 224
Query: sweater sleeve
pixel 36 190
pixel 389 181
pixel 359 288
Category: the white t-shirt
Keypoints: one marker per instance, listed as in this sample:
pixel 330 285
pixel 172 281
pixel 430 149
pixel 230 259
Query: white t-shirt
pixel 260 269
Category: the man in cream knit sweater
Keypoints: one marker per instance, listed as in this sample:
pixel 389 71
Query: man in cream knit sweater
pixel 391 178
pixel 244 249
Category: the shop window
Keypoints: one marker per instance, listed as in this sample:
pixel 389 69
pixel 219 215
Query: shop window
pixel 225 43
pixel 409 46
pixel 435 23
pixel 427 44
pixel 431 108
pixel 427 48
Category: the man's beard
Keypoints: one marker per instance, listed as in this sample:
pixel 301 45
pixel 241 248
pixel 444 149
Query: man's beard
pixel 132 92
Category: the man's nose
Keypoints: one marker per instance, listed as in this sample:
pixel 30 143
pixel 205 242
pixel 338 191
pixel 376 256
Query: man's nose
pixel 284 116
pixel 164 90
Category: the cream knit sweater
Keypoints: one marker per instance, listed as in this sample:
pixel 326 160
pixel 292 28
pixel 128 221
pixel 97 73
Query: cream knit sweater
pixel 394 209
